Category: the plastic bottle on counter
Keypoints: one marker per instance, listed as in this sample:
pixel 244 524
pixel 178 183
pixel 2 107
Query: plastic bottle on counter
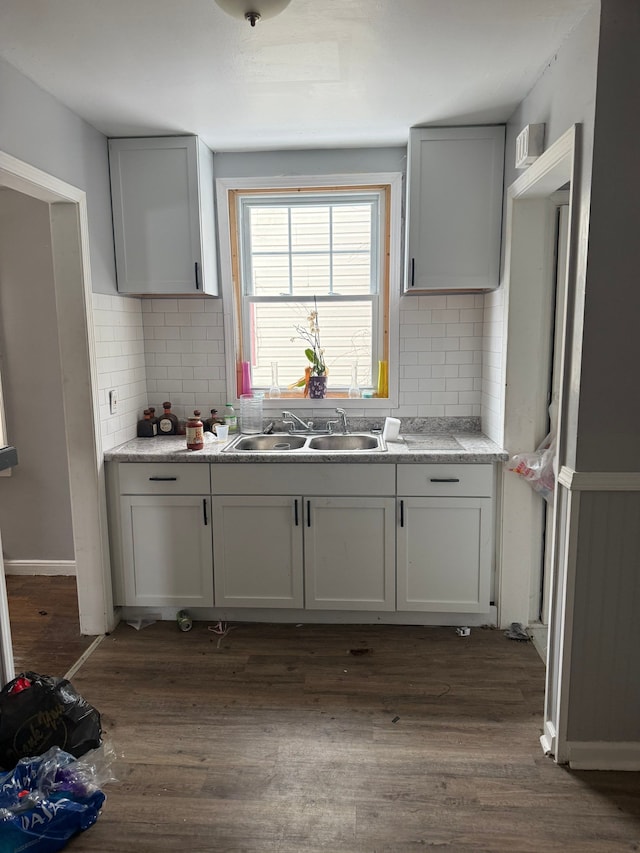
pixel 195 432
pixel 230 418
pixel 167 422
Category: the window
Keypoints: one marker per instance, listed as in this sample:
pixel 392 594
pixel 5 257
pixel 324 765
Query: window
pixel 299 249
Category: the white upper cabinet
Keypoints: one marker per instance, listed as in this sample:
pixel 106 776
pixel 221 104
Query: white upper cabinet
pixel 454 208
pixel 163 216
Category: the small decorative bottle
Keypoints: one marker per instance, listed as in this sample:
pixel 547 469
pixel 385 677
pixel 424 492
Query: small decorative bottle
pixel 210 422
pixel 154 419
pixel 146 427
pixel 168 422
pixel 230 418
pixel 195 432
pixel 354 388
pixel 274 390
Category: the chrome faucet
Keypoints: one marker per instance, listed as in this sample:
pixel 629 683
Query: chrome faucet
pixel 343 420
pixel 297 424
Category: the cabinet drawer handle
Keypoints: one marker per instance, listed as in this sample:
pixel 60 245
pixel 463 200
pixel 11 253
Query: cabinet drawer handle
pixel 196 275
pixel 444 480
pixel 295 511
pixel 308 513
pixel 413 271
pixel 401 513
pixel 204 511
pixel 163 479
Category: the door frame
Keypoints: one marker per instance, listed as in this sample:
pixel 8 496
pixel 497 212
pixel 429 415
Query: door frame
pixel 525 370
pixel 73 294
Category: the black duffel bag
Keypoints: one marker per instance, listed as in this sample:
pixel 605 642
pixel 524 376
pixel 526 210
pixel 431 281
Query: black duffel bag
pixel 41 711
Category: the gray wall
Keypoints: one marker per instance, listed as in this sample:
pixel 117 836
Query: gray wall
pixel 564 96
pixel 609 417
pixel 312 162
pixel 38 129
pixel 35 508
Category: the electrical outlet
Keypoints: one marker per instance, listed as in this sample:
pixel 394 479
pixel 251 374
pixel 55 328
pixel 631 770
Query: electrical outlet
pixel 113 401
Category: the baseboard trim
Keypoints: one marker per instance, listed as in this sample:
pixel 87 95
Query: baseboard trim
pixel 40 567
pixel 604 755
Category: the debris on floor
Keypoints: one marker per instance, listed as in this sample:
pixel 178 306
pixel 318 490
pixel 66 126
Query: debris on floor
pixel 463 631
pixel 516 632
pixel 359 652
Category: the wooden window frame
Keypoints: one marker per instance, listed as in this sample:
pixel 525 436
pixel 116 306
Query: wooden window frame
pixel 228 192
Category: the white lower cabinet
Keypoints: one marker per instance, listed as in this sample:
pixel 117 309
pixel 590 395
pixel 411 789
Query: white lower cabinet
pixel 167 550
pixel 258 551
pixel 330 549
pixel 349 553
pixel 444 554
pixel 445 539
pixel 163 514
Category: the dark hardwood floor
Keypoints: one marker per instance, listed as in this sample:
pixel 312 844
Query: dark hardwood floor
pixel 338 739
pixel 45 630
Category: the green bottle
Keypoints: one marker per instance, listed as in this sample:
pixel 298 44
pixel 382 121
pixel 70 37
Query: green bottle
pixel 230 418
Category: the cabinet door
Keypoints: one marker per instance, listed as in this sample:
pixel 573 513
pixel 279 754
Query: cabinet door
pixel 454 181
pixel 349 552
pixel 444 554
pixel 162 201
pixel 258 551
pixel 167 551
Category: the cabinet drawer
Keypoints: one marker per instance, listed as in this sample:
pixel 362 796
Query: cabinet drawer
pixel 455 480
pixel 163 478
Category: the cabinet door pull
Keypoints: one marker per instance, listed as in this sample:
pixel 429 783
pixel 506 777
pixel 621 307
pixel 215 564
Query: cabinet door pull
pixel 401 513
pixel 295 511
pixel 444 480
pixel 204 511
pixel 413 271
pixel 308 513
pixel 163 479
pixel 196 275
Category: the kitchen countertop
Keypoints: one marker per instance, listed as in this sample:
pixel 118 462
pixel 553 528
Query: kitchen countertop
pixel 416 447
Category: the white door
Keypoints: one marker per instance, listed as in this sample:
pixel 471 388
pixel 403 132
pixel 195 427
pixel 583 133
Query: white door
pixel 7 671
pixel 554 397
pixel 349 553
pixel 257 549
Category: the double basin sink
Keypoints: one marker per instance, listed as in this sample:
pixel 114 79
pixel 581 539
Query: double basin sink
pixel 283 442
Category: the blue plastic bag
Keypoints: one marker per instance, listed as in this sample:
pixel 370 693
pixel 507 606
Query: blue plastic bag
pixel 44 801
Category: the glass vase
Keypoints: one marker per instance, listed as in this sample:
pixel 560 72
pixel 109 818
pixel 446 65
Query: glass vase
pixel 354 388
pixel 274 390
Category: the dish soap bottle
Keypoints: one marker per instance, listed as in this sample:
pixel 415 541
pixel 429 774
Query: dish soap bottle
pixel 230 418
pixel 168 422
pixel 195 432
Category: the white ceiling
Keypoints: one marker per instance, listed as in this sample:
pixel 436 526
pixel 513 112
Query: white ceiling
pixel 324 73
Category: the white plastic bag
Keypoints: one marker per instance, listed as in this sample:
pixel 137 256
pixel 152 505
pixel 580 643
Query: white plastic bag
pixel 538 468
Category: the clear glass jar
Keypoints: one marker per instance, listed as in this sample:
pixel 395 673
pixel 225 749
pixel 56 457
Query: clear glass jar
pixel 251 413
pixel 354 388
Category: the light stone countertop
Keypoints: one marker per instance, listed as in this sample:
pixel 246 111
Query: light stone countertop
pixel 417 447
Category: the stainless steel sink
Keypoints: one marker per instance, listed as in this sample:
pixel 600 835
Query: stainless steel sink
pixel 269 442
pixel 345 442
pixel 283 442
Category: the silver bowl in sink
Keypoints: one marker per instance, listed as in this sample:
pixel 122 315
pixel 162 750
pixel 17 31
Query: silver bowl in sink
pixel 268 442
pixel 345 442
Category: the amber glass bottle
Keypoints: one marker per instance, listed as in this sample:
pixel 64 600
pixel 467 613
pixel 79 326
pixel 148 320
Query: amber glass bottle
pixel 168 422
pixel 195 434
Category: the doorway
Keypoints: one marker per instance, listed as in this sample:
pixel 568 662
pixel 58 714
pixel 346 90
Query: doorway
pixel 527 365
pixel 72 289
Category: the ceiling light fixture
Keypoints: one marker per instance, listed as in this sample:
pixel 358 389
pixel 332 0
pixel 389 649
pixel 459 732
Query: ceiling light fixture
pixel 253 10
